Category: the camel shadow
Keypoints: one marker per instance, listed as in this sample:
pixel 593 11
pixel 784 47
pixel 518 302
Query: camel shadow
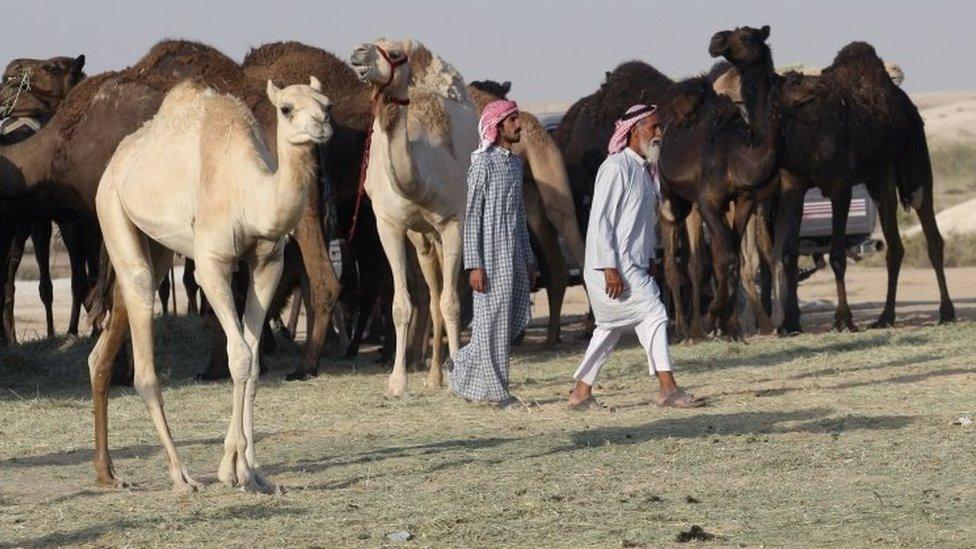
pixel 391 452
pixel 77 457
pixel 77 537
pixel 907 378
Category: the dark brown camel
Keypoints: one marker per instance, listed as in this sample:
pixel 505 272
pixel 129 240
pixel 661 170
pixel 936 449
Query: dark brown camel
pixel 704 141
pixel 70 153
pixel 850 125
pixel 30 92
pixel 711 157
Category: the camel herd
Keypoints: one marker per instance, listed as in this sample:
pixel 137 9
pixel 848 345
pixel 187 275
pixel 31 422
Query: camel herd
pixel 250 169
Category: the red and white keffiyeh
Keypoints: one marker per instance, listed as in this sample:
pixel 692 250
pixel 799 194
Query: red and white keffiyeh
pixel 491 117
pixel 623 126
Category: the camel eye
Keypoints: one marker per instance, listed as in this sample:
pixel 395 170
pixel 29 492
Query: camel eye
pixel 396 54
pixel 286 110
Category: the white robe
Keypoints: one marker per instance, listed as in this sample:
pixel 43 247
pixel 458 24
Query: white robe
pixel 622 234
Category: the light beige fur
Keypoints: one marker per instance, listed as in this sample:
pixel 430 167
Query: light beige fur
pixel 417 181
pixel 199 180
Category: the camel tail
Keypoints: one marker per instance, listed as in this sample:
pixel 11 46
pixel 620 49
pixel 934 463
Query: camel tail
pixel 99 300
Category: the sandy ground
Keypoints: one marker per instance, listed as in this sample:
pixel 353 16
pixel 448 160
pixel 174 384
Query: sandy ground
pixel 918 301
pixel 918 297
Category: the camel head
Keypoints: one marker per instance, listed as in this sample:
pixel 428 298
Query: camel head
pixel 35 87
pixel 744 45
pixel 798 89
pixel 383 63
pixel 303 112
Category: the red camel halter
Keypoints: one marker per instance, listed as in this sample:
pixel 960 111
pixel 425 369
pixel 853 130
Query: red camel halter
pixel 379 95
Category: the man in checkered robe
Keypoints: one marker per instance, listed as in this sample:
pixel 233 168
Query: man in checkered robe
pixel 499 258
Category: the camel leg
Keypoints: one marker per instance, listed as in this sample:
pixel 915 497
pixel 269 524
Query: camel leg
pixel 725 266
pixel 294 313
pixel 100 363
pixel 323 283
pixel 750 268
pixel 265 274
pixel 548 240
pixel 394 246
pixel 670 231
pixel 451 241
pixel 696 268
pixel 41 238
pixel 191 287
pixel 789 214
pixel 15 253
pixel 6 239
pixel 429 261
pixel 886 199
pixel 214 278
pixel 164 290
pixel 79 275
pixel 840 205
pixel 933 239
pixel 134 260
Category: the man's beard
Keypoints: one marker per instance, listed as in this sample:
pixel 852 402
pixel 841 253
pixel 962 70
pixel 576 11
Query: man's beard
pixel 513 138
pixel 652 150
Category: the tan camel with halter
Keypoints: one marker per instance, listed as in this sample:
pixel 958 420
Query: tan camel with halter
pixel 424 131
pixel 199 180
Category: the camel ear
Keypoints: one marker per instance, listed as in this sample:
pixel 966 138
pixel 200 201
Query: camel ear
pixel 764 32
pixel 507 86
pixel 273 92
pixel 315 84
pixel 80 62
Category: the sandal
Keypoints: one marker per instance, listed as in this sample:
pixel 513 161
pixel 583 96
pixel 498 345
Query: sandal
pixel 678 398
pixel 591 404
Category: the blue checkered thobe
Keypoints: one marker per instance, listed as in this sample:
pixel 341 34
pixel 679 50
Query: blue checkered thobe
pixel 495 239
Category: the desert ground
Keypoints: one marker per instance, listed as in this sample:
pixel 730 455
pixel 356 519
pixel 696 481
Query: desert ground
pixel 826 438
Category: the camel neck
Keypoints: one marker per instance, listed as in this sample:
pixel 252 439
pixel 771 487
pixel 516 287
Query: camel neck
pixel 401 161
pixel 278 213
pixel 27 164
pixel 757 86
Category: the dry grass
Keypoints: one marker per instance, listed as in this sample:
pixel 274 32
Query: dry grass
pixel 815 440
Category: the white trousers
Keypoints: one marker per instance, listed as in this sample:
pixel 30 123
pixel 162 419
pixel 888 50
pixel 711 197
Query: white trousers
pixel 652 334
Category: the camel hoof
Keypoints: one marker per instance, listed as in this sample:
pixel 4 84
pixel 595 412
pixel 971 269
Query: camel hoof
pixel 300 375
pixel 947 313
pixel 258 484
pixel 114 482
pixel 882 323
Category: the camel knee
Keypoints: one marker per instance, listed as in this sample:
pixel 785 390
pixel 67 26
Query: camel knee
pixel 240 361
pixel 895 253
pixel 838 260
pixel 402 310
pixel 145 382
pixel 450 308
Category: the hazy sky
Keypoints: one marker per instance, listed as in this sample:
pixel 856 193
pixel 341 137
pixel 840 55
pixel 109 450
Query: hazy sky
pixel 550 49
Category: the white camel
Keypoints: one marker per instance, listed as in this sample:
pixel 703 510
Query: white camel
pixel 199 180
pixel 424 132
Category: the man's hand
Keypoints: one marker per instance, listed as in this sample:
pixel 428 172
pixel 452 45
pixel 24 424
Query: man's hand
pixel 615 283
pixel 533 275
pixel 479 280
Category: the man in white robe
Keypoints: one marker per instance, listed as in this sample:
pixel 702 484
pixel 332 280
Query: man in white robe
pixel 620 241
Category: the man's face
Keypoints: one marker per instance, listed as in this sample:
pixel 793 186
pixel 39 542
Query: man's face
pixel 511 129
pixel 647 135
